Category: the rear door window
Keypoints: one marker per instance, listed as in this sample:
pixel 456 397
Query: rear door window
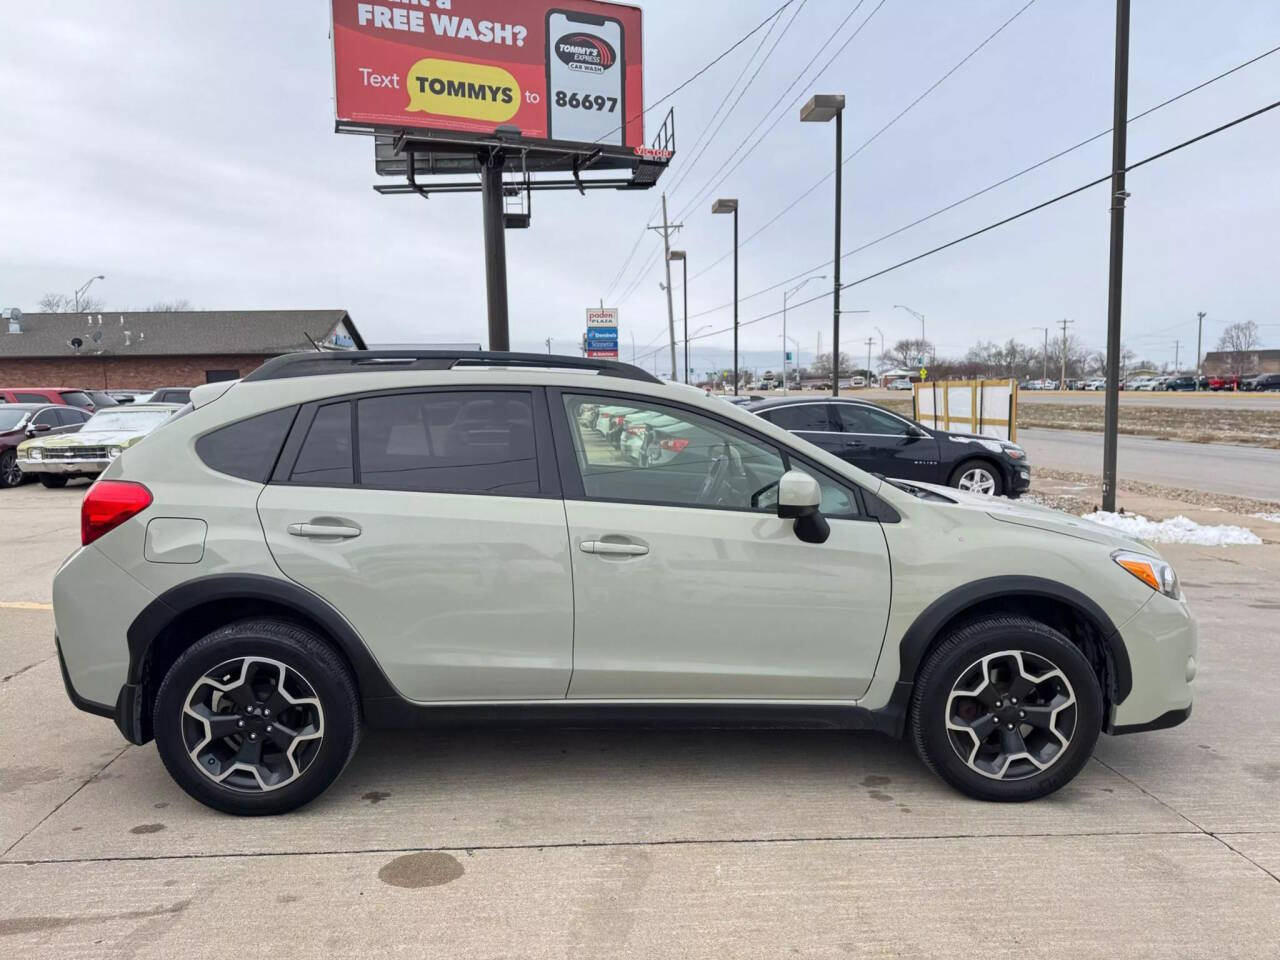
pixel 801 418
pixel 479 442
pixel 30 398
pixel 856 418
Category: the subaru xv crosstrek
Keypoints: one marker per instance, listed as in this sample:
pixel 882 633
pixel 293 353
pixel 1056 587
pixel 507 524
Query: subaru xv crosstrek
pixel 404 537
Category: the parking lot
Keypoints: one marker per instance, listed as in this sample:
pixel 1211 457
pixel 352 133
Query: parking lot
pixel 621 843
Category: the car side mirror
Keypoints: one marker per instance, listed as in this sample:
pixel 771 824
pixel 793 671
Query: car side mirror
pixel 38 428
pixel 799 499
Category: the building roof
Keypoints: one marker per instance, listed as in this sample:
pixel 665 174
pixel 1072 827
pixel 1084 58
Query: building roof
pixel 194 332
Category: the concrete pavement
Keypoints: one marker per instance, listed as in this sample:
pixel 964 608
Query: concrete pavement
pixel 648 844
pixel 1210 467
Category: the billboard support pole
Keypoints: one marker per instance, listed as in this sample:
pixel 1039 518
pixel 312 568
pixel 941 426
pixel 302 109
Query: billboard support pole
pixel 495 250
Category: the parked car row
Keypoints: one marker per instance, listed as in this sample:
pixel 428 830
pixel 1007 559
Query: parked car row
pixel 60 442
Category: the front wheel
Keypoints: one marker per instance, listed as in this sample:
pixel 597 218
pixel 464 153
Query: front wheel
pixel 257 718
pixel 53 481
pixel 10 472
pixel 977 476
pixel 1006 709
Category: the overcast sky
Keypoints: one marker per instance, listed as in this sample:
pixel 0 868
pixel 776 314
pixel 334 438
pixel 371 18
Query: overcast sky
pixel 186 150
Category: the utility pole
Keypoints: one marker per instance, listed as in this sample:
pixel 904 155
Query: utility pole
pixel 1176 345
pixel 666 230
pixel 1044 374
pixel 1199 335
pixel 1115 280
pixel 1062 384
pixel 548 342
pixel 870 342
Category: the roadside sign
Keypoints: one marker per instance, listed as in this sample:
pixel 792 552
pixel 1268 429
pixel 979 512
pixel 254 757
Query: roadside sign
pixel 602 333
pixel 924 374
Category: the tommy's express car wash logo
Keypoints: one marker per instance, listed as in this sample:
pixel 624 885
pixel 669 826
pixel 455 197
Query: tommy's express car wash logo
pixel 586 52
pixel 471 90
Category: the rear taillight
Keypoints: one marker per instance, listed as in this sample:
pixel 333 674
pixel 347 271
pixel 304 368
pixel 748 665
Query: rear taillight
pixel 108 504
pixel 675 445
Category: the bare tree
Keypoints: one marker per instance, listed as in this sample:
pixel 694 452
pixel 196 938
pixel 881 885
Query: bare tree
pixel 61 303
pixel 181 305
pixel 822 365
pixel 1239 341
pixel 904 353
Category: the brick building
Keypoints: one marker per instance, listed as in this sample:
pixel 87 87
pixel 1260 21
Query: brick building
pixel 147 350
pixel 1241 362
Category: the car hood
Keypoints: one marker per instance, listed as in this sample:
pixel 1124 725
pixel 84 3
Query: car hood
pixel 1033 515
pixel 85 438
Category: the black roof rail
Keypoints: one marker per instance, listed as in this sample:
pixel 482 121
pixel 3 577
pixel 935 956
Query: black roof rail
pixel 366 361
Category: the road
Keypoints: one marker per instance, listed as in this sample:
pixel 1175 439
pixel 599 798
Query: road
pixel 1209 467
pixel 641 843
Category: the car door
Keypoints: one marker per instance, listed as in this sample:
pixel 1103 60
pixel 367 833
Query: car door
pixel 688 586
pixel 880 442
pixel 432 521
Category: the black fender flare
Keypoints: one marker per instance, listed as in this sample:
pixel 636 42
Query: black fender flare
pixel 162 612
pixel 916 641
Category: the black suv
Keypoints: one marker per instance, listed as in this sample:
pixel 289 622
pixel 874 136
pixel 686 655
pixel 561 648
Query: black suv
pixel 1180 383
pixel 1263 381
pixel 878 441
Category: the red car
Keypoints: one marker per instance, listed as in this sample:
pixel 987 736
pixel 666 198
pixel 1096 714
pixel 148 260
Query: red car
pixel 84 399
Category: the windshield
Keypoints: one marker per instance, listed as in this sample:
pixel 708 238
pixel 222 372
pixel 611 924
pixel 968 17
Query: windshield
pixel 134 421
pixel 11 419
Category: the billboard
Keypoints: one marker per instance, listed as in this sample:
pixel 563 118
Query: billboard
pixel 565 71
pixel 601 339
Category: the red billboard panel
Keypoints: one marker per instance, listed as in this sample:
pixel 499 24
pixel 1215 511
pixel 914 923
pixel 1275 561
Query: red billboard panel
pixel 565 71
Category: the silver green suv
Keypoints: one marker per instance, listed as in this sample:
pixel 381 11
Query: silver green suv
pixel 351 538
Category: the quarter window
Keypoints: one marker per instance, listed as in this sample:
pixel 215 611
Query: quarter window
pixel 649 453
pixel 325 457
pixel 801 418
pixel 465 442
pixel 247 449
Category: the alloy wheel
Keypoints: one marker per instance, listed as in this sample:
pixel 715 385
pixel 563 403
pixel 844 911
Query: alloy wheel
pixel 978 480
pixel 1011 715
pixel 252 724
pixel 10 471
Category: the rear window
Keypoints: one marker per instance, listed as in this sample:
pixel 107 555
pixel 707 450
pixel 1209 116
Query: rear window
pixel 247 449
pixel 77 398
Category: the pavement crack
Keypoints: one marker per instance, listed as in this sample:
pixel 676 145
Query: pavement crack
pixel 598 844
pixel 1245 856
pixel 18 673
pixel 67 800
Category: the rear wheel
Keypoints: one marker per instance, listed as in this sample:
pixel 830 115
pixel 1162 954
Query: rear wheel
pixel 10 472
pixel 1006 709
pixel 53 481
pixel 977 476
pixel 259 717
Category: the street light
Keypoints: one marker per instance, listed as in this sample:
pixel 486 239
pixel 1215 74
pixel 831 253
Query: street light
pixel 918 316
pixel 684 266
pixel 821 108
pixel 81 292
pixel 785 294
pixel 730 205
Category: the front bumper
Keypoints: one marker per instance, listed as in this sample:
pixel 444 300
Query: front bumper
pixel 1162 644
pixel 76 467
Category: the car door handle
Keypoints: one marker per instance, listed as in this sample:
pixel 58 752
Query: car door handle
pixel 321 530
pixel 611 548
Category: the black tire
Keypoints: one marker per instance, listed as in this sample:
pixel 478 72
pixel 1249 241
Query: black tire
pixel 978 464
pixel 10 472
pixel 952 661
pixel 298 649
pixel 53 481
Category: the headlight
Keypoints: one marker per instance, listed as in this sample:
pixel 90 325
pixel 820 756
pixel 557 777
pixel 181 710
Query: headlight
pixel 114 452
pixel 1156 574
pixel 1013 451
pixel 35 453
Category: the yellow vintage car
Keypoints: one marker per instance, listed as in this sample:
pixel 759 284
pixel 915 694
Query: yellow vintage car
pixel 55 459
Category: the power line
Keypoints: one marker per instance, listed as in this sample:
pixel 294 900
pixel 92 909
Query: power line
pixel 987 189
pixel 772 20
pixel 739 153
pixel 1010 219
pixel 873 138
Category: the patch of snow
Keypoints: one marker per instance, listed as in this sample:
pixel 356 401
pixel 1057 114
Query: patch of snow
pixel 1269 517
pixel 1175 530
